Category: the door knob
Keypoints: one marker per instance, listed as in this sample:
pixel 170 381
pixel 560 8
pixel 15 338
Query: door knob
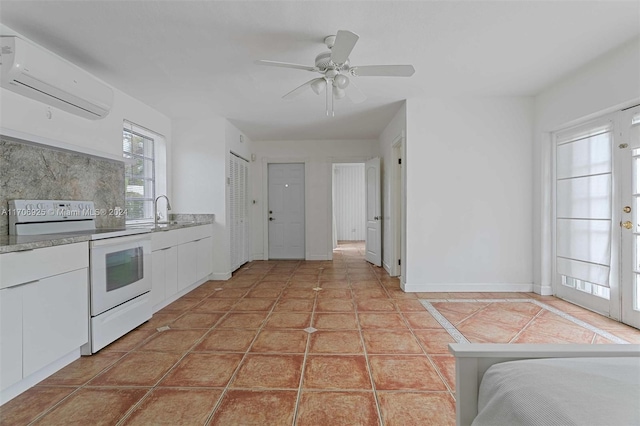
pixel 271 218
pixel 627 224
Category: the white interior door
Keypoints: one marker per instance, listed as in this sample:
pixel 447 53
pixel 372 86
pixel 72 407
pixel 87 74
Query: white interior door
pixel 373 242
pixel 286 211
pixel 629 150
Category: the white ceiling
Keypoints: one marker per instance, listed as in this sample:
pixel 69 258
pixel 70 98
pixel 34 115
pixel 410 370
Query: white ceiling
pixel 195 58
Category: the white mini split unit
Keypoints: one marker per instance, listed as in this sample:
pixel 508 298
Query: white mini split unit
pixel 38 74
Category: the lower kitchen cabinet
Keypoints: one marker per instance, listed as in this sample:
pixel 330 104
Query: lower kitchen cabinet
pixel 181 258
pixel 10 336
pixel 187 264
pixel 54 319
pixel 164 273
pixel 204 265
pixel 44 319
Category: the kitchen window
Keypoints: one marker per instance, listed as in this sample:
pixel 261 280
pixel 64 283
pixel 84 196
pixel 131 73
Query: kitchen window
pixel 145 171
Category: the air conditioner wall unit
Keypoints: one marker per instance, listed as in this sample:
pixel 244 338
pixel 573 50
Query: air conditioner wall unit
pixel 38 74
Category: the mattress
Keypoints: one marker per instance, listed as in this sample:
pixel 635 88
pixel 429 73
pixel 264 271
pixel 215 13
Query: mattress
pixel 561 391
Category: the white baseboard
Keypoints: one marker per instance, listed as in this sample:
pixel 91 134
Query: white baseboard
pixel 220 276
pixel 468 287
pixel 24 384
pixel 257 256
pixel 317 257
pixel 543 290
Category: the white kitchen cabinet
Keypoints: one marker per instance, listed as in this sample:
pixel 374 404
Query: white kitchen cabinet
pixel 44 308
pixel 204 265
pixel 187 264
pixel 10 336
pixel 54 318
pixel 181 258
pixel 164 274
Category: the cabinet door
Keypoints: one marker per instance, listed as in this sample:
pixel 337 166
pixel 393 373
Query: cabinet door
pixel 205 257
pixel 55 318
pixel 171 271
pixel 10 336
pixel 158 281
pixel 187 264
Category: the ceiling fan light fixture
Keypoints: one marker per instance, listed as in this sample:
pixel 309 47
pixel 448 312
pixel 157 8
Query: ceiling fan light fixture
pixel 341 81
pixel 318 86
pixel 338 92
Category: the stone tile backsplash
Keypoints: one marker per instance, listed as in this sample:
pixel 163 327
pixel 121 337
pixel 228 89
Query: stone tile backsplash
pixel 33 171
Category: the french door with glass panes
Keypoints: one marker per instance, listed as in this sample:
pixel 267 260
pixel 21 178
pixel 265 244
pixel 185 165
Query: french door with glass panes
pixel 597 228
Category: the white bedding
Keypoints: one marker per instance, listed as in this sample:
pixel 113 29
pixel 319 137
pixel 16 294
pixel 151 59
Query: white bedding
pixel 561 391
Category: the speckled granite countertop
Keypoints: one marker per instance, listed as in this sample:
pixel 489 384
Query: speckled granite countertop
pixel 13 243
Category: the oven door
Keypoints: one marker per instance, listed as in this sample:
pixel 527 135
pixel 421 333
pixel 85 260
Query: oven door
pixel 120 271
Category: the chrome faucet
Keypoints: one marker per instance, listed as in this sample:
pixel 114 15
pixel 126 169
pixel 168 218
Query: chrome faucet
pixel 155 208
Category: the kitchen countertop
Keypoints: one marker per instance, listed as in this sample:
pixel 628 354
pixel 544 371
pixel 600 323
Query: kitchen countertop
pixel 13 243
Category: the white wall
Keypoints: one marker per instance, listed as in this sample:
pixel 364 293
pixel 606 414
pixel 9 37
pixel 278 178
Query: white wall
pixel 349 202
pixel 201 159
pixel 396 128
pixel 318 155
pixel 468 168
pixel 608 83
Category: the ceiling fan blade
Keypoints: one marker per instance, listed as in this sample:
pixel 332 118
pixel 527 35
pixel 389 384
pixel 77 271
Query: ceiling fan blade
pixel 354 94
pixel 383 71
pixel 285 65
pixel 300 89
pixel 345 41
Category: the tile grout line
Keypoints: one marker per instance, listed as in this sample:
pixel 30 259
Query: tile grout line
pixel 366 356
pixel 246 353
pixel 304 359
pixel 429 357
pixel 536 316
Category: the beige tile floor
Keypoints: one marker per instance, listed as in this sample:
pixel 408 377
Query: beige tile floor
pixel 237 352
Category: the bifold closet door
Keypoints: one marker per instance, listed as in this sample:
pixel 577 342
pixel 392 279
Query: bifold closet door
pixel 239 210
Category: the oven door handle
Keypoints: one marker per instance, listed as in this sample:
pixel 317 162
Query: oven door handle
pixel 120 240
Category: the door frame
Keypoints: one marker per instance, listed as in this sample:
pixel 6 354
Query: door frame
pixel 265 197
pixel 628 315
pixel 398 207
pixel 330 162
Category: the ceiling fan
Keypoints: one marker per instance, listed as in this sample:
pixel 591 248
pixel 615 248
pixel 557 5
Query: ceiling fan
pixel 336 69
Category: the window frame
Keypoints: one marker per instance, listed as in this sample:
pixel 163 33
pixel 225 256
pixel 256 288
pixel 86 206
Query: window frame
pixel 157 175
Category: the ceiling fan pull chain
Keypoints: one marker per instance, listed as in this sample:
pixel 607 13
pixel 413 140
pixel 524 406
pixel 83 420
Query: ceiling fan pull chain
pixel 327 89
